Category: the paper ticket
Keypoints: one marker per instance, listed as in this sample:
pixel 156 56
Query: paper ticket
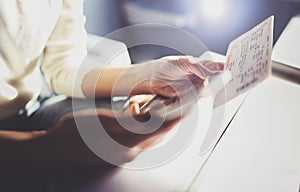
pixel 248 60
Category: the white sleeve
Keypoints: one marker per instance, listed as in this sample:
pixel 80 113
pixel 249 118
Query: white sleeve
pixel 65 51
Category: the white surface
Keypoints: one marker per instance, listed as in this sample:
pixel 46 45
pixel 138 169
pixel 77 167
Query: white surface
pixel 261 149
pixel 286 49
pixel 103 51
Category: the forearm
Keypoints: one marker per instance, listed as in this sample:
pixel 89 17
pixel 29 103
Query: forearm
pixel 99 82
pixel 110 82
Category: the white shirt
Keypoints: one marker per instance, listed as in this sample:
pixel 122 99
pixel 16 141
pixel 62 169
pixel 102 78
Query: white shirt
pixel 46 35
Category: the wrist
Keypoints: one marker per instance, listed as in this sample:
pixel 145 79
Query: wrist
pixel 128 81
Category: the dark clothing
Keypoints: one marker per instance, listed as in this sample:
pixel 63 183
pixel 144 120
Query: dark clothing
pixel 47 112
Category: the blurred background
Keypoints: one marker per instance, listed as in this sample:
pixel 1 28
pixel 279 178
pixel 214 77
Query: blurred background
pixel 214 22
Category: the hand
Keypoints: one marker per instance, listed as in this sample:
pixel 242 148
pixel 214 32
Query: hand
pixel 169 76
pixel 64 142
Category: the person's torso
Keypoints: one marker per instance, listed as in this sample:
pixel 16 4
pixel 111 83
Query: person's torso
pixel 25 27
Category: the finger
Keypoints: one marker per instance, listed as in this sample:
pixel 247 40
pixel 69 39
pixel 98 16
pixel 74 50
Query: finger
pixel 132 106
pixel 140 99
pixel 214 66
pixel 134 109
pixel 136 102
pixel 210 67
pixel 164 89
pixel 204 68
pixel 194 67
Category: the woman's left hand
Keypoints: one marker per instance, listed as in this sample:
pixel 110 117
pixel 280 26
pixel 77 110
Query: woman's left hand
pixel 168 76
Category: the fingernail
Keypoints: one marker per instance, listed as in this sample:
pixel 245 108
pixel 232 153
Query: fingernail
pixel 205 82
